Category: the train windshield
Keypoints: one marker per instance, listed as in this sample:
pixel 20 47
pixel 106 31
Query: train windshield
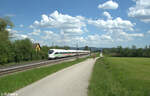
pixel 50 51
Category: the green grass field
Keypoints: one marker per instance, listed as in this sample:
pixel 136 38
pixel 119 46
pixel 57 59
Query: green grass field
pixel 18 80
pixel 114 76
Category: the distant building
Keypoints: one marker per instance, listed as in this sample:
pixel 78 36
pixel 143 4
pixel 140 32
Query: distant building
pixel 37 46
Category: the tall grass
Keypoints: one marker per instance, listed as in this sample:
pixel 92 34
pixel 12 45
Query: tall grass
pixel 120 77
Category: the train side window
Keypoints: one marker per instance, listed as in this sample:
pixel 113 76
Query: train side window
pixel 56 53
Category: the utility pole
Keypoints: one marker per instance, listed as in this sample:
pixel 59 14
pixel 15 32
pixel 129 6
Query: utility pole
pixel 90 51
pixel 77 49
pixel 52 44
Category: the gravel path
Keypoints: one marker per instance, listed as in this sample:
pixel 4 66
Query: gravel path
pixel 71 81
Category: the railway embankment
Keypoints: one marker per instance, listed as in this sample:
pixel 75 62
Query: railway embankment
pixel 22 67
pixel 13 82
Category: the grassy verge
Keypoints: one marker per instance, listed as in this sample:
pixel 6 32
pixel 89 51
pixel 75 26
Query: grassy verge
pixel 18 80
pixel 114 76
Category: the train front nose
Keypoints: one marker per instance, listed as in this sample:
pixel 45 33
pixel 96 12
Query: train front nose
pixel 51 56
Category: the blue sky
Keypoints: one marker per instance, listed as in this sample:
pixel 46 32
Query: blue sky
pixel 96 23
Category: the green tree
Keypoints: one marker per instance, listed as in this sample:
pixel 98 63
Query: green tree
pixel 119 51
pixel 66 47
pixel 23 50
pixel 5 44
pixel 86 48
pixel 44 52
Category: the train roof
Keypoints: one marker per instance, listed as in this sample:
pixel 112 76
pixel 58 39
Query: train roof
pixel 63 50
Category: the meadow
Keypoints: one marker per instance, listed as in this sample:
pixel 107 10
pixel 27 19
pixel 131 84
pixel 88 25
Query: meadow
pixel 120 76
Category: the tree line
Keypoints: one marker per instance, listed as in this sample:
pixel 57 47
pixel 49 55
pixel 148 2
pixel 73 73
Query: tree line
pixel 128 52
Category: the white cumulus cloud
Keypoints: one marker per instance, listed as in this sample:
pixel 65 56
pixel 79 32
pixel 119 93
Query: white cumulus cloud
pixel 106 37
pixel 116 29
pixel 68 30
pixel 99 40
pixel 117 23
pixel 15 34
pixel 141 10
pixel 148 31
pixel 63 22
pixel 109 5
pixel 35 32
pixel 107 15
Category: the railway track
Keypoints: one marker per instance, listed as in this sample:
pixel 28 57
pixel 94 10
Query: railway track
pixel 9 70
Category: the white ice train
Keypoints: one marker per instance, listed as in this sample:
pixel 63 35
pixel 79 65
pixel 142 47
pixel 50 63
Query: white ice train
pixel 59 53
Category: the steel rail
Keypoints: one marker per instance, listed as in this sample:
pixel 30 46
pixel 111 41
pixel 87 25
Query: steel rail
pixel 5 71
